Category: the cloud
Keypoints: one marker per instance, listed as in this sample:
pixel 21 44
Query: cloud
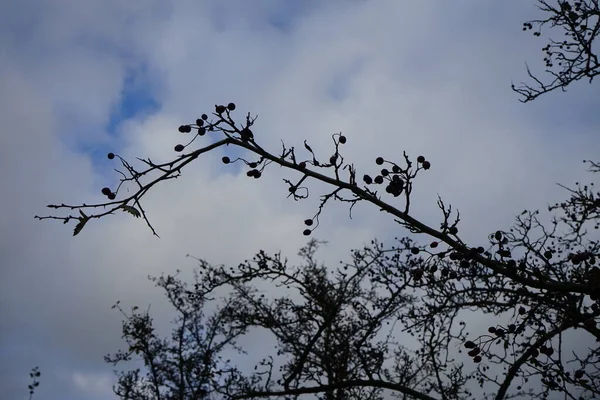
pixel 84 78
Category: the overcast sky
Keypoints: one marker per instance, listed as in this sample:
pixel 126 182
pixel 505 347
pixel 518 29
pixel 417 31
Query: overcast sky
pixel 81 78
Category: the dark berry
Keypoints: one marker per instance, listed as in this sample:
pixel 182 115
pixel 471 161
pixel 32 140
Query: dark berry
pixel 199 122
pixel 308 222
pixel 453 230
pixel 474 352
pixel 185 129
pixel 379 160
pixel 106 191
pixel 252 165
pixel 226 160
pixel 522 310
pixel 179 147
pixel 257 174
pixel 220 109
pixel 332 159
pixel 395 169
pixel 498 235
pixel 112 196
pixel 426 165
pixel 548 254
pixel 491 329
pixel 110 156
pixel 302 165
pixel 246 134
pixel 368 180
pixel 231 106
pixel 204 117
pixel 385 172
pixel 201 131
pixel 306 232
pixel 433 245
pixel 342 139
pixel 420 159
pixel 252 172
pixel 379 179
pixel 477 359
pixel 415 250
pixel 469 344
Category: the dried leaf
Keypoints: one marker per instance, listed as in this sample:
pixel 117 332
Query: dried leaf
pixel 131 210
pixel 80 225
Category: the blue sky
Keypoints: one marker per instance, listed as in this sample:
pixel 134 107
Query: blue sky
pixel 86 78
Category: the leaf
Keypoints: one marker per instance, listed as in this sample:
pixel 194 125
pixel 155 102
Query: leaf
pixel 131 210
pixel 80 226
pixel 307 147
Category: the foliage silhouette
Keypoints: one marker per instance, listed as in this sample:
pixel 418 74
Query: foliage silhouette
pixel 570 59
pixel 539 281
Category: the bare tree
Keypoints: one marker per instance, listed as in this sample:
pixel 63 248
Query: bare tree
pixel 539 280
pixel 570 56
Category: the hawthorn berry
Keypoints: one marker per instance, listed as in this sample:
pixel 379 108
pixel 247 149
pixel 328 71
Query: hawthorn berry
pixel 204 117
pixel 379 160
pixel 106 191
pixel 257 174
pixel 415 250
pixel 579 374
pixel 306 232
pixel 252 165
pixel 433 245
pixel 308 222
pixel 474 352
pixel 453 230
pixel 302 164
pixel 179 148
pixel 491 329
pixel 185 129
pixel 220 109
pixel 332 159
pixel 477 359
pixel 420 159
pixel 226 160
pixel 111 196
pixel 426 165
pixel 110 156
pixel 246 134
pixel 201 131
pixel 368 180
pixel 522 310
pixel 379 179
pixel 385 172
pixel 199 122
pixel 231 106
pixel 342 139
pixel 469 344
pixel 395 169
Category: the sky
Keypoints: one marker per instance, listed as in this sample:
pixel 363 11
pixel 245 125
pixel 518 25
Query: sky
pixel 79 79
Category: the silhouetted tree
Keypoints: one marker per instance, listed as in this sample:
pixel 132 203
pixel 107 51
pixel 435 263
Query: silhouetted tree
pixel 568 58
pixel 540 281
